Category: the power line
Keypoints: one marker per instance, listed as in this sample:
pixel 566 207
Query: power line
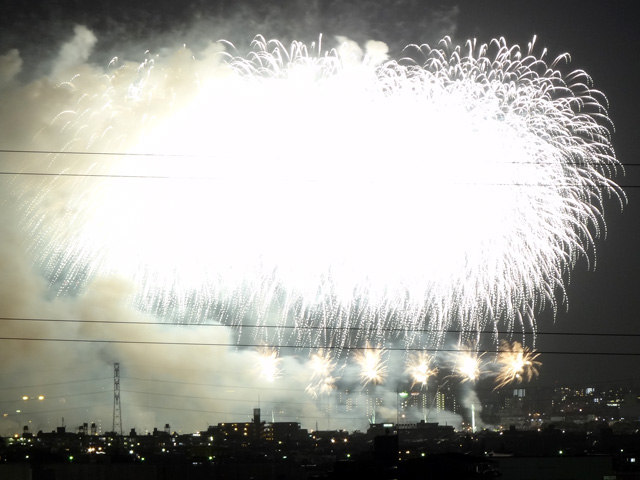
pixel 49 397
pixel 211 385
pixel 217 399
pixel 109 154
pixel 243 414
pixel 315 327
pixel 198 155
pixel 39 412
pixel 188 177
pixel 55 384
pixel 300 347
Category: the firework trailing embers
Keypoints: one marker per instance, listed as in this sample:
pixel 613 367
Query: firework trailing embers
pixel 333 189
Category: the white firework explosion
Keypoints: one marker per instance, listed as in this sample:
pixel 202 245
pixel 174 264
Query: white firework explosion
pixel 344 194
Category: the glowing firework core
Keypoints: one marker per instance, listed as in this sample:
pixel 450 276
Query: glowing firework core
pixel 517 363
pixel 419 367
pixel 268 365
pixel 373 368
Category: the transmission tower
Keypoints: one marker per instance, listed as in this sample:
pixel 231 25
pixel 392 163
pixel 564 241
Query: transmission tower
pixel 117 408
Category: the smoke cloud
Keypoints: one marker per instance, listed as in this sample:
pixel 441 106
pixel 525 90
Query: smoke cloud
pixel 211 378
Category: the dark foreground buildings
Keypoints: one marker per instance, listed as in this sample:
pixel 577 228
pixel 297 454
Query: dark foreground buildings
pixel 282 450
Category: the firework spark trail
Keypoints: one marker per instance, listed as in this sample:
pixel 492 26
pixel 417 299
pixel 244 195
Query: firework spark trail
pixel 455 188
pixel 516 363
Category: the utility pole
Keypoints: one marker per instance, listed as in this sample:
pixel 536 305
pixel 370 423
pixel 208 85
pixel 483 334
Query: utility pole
pixel 117 408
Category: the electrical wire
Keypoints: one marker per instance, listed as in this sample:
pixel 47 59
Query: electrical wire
pixel 298 347
pixel 308 327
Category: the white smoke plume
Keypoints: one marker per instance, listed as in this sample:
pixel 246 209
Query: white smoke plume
pixel 188 386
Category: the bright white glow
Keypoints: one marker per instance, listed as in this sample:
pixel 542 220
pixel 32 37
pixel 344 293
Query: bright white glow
pixel 420 368
pixel 373 366
pixel 268 365
pixel 468 365
pixel 308 188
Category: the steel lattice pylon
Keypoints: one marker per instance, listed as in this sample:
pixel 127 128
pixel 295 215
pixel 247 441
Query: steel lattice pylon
pixel 117 408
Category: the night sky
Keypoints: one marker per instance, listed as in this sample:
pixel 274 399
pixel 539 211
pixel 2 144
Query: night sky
pixel 603 302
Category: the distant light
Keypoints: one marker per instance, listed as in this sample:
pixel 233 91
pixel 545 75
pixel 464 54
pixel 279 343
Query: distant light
pixel 25 397
pixel 40 397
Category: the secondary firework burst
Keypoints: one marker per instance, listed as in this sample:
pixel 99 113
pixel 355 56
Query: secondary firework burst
pixel 322 368
pixel 373 365
pixel 420 367
pixel 334 189
pixel 516 363
pixel 468 365
pixel 268 365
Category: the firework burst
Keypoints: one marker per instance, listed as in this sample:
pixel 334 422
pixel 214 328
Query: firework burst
pixel 300 187
pixel 322 367
pixel 468 365
pixel 420 368
pixel 268 365
pixel 373 367
pixel 516 363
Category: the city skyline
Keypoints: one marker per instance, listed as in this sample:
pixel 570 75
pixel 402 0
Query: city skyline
pixel 592 342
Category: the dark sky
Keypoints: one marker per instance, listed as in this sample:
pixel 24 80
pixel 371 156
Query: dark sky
pixel 601 37
pixel 603 41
